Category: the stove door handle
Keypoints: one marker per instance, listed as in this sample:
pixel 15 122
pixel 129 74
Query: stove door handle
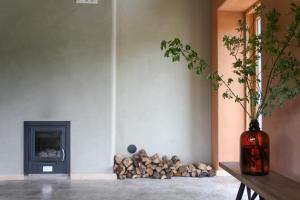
pixel 63 154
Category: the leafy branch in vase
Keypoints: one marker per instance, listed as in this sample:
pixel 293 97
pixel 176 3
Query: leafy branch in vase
pixel 280 66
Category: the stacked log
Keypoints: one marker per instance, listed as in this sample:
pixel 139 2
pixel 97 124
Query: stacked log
pixel 140 165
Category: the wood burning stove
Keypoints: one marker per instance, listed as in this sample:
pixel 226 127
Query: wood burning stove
pixel 47 147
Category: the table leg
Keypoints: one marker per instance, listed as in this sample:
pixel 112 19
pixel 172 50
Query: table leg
pixel 249 193
pixel 254 196
pixel 240 192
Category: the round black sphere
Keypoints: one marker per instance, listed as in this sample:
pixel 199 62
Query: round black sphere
pixel 131 148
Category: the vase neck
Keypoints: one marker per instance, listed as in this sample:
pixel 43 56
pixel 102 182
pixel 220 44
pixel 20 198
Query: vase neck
pixel 254 126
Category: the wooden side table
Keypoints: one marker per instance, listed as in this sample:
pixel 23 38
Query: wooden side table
pixel 271 187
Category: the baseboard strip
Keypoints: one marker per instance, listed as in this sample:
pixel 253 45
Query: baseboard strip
pixel 20 177
pixel 93 176
pixel 12 177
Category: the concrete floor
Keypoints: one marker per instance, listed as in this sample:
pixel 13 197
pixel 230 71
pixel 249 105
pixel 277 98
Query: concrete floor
pixel 216 188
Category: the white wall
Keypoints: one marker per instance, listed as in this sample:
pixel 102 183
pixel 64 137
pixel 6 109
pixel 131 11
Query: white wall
pixel 162 107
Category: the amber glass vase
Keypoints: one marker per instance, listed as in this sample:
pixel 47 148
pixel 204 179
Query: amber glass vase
pixel 255 151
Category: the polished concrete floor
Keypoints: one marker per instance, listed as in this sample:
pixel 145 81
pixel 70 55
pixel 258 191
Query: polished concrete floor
pixel 216 188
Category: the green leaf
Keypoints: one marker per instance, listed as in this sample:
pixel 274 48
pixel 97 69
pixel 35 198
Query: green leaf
pixel 229 81
pixel 225 95
pixel 163 45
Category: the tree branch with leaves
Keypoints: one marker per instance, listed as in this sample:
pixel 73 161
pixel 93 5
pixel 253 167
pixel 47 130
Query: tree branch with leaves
pixel 282 73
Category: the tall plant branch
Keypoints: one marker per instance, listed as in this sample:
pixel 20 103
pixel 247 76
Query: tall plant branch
pixel 286 44
pixel 282 64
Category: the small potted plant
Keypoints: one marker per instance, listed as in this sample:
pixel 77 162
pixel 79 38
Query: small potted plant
pixel 281 71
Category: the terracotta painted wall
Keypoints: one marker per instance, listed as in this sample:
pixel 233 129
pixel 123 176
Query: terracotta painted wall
pixel 225 135
pixel 231 121
pixel 284 125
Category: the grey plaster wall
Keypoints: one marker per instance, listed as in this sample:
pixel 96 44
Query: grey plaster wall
pixel 161 106
pixel 55 64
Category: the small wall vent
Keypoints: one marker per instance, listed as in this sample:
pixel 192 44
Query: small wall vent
pixel 131 149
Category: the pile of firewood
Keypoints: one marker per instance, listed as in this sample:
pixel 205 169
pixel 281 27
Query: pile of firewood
pixel 140 165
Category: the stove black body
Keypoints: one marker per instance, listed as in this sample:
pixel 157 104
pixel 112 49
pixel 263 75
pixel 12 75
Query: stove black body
pixel 47 147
